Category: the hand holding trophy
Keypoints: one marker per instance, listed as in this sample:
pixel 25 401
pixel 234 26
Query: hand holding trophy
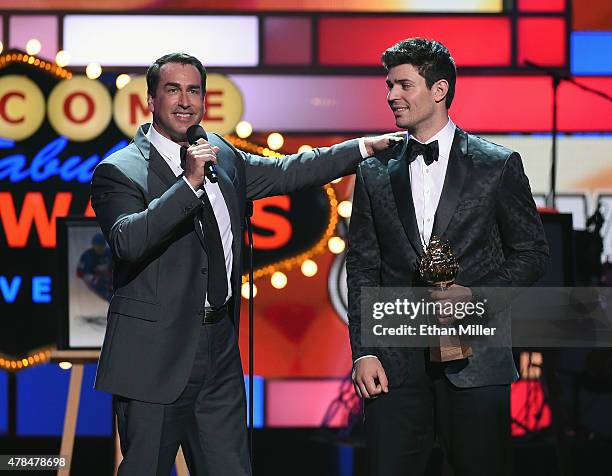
pixel 439 267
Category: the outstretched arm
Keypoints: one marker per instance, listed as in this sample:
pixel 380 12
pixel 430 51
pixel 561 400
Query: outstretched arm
pixel 266 176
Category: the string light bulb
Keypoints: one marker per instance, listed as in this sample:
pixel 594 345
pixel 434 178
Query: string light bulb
pixel 345 208
pixel 275 141
pixel 62 58
pixel 93 70
pixel 278 280
pixel 244 129
pixel 309 268
pixel 122 80
pixel 33 46
pixel 336 245
pixel 245 290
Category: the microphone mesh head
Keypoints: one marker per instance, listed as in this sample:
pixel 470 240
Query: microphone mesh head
pixel 196 132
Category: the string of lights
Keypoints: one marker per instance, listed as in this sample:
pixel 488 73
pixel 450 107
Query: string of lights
pixel 35 358
pixel 18 57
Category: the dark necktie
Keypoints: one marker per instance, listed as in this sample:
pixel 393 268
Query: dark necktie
pixel 428 151
pixel 217 272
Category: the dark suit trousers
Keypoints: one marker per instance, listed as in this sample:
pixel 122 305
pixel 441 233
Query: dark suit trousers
pixel 208 420
pixel 472 425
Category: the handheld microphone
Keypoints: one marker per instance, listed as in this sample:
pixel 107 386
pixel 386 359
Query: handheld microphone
pixel 194 133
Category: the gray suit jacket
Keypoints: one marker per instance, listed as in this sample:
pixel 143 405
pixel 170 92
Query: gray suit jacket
pixel 486 212
pixel 149 219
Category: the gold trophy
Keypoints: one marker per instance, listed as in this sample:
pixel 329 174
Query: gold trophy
pixel 439 267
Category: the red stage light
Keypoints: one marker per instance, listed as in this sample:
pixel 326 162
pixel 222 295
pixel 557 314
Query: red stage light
pixel 542 40
pixel 528 408
pixel 360 41
pixel 287 41
pixel 541 5
pixel 303 403
pixel 524 104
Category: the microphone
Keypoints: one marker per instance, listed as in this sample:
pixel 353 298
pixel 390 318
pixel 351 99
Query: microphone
pixel 194 133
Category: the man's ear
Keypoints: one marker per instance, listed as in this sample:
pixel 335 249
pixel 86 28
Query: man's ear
pixel 439 90
pixel 150 103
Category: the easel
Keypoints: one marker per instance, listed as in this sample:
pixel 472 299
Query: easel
pixel 78 359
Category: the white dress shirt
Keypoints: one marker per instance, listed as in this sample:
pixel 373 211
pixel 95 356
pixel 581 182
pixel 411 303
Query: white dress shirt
pixel 171 152
pixel 426 182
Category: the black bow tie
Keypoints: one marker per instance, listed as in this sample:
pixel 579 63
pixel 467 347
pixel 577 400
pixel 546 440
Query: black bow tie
pixel 428 151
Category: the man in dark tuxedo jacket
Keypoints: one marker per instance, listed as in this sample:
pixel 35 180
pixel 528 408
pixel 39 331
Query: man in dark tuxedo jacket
pixel 473 193
pixel 170 355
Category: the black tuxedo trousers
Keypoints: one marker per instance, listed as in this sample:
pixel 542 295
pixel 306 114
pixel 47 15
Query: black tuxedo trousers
pixel 470 424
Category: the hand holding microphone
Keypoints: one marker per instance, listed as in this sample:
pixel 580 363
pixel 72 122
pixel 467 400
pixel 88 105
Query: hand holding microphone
pixel 201 158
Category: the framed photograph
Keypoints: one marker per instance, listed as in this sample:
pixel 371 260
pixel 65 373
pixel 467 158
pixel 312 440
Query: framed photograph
pixel 85 283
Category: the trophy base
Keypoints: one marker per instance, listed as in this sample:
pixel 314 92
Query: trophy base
pixel 449 349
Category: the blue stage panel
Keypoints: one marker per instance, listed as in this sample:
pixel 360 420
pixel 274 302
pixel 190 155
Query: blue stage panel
pixel 3 402
pixel 346 459
pixel 258 400
pixel 41 403
pixel 590 52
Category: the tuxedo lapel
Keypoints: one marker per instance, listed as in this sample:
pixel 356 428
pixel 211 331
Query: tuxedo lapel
pixel 402 191
pixel 156 162
pixel 159 165
pixel 456 172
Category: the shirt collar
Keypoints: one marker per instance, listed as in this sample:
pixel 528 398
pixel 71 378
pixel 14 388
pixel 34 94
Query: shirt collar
pixel 166 147
pixel 444 136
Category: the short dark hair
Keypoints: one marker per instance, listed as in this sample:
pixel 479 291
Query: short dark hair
pixel 431 58
pixel 181 58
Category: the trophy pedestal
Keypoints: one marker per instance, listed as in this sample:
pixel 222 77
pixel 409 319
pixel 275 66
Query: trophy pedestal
pixel 449 349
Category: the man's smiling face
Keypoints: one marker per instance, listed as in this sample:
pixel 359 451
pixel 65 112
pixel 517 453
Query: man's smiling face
pixel 411 101
pixel 178 102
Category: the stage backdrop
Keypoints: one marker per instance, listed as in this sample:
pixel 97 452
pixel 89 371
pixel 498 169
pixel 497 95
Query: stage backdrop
pixel 54 132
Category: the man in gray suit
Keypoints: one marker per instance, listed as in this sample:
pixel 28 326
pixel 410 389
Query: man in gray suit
pixel 170 355
pixel 473 193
